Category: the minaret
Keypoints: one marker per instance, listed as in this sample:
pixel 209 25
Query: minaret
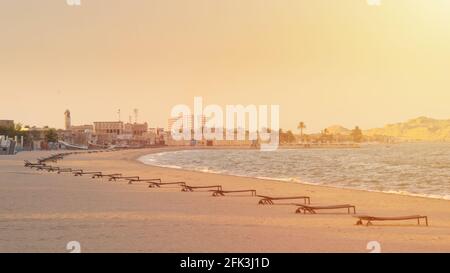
pixel 67 120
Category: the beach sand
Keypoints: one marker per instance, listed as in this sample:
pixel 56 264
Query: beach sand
pixel 42 212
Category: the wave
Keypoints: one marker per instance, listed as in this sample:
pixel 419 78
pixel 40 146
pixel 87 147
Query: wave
pixel 366 173
pixel 425 195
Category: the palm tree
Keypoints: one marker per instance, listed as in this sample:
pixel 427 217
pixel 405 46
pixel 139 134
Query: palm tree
pixel 357 134
pixel 301 126
pixel 325 136
pixel 51 136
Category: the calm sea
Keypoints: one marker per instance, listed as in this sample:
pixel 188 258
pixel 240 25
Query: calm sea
pixel 421 169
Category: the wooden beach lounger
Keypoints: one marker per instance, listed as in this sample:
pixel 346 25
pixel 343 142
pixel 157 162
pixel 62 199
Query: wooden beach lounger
pixel 118 177
pixel 267 200
pixel 192 188
pixel 44 168
pixel 158 185
pixel 66 170
pixel 218 193
pixel 312 209
pixel 37 166
pixel 53 158
pixel 40 167
pixel 370 219
pixel 51 168
pixel 30 164
pixel 100 175
pixel 47 168
pixel 81 173
pixel 130 181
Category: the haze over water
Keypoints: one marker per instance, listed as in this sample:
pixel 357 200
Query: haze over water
pixel 421 169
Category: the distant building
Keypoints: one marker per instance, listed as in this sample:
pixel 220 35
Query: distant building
pixel 82 128
pixel 108 132
pixel 190 122
pixel 67 120
pixel 7 146
pixel 6 123
pixel 157 136
pixel 204 142
pixel 135 129
pixel 37 136
pixel 77 134
pixel 108 127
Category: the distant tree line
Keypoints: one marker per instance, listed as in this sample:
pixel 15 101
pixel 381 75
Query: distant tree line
pixel 29 134
pixel 325 136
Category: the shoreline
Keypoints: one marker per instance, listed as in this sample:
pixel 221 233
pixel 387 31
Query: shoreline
pixel 42 211
pixel 291 180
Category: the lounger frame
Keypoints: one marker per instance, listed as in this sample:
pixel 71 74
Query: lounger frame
pixel 313 209
pixel 371 219
pixel 268 200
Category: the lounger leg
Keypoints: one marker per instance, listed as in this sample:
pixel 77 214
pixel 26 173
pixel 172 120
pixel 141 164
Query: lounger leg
pixel 359 223
pixel 301 210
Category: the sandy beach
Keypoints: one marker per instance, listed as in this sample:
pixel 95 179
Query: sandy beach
pixel 42 212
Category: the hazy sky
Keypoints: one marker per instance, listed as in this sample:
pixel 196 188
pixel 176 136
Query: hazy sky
pixel 323 61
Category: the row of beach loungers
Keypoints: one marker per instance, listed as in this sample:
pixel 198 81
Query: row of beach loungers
pixel 217 191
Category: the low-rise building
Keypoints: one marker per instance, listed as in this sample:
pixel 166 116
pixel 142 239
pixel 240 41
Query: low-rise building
pixel 231 141
pixel 135 129
pixel 107 132
pixel 108 127
pixel 6 123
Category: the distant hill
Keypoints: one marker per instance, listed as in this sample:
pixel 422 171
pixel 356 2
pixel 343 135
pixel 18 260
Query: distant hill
pixel 338 130
pixel 419 129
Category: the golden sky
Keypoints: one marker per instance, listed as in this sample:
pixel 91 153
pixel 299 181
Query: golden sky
pixel 323 61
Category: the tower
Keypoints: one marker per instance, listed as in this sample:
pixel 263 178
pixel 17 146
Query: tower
pixel 67 120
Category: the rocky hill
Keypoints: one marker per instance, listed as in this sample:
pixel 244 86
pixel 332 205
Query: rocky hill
pixel 419 129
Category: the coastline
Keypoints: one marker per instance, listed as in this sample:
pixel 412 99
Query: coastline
pixel 167 220
pixel 142 159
